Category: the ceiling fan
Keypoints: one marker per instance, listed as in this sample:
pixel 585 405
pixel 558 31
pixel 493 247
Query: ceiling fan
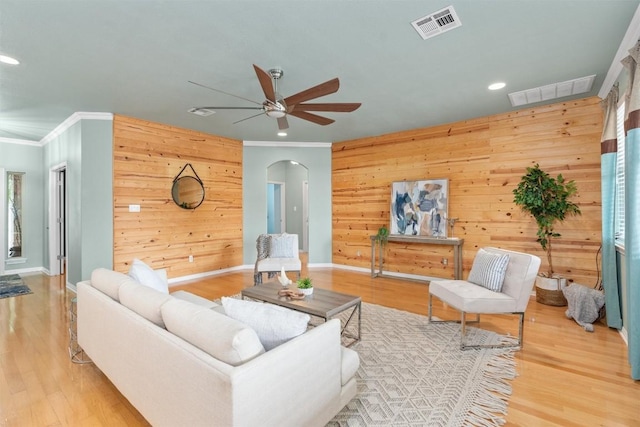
pixel 295 105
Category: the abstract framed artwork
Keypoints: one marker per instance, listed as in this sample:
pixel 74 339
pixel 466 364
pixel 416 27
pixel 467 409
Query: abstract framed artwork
pixel 419 208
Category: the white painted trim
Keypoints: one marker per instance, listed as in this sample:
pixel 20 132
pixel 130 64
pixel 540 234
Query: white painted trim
pixel 25 270
pixel 72 120
pixel 286 144
pixel 386 273
pixel 53 219
pixel 625 336
pixel 3 208
pixel 19 141
pixel 628 41
pixel 176 280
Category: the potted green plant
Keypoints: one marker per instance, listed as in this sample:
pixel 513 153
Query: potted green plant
pixel 382 236
pixel 305 286
pixel 547 199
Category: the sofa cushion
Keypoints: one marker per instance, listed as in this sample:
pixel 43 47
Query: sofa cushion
pixel 226 339
pixel 471 298
pixel 276 264
pixel 274 325
pixel 488 270
pixel 144 301
pixel 108 282
pixel 145 275
pixel 196 299
pixel 350 364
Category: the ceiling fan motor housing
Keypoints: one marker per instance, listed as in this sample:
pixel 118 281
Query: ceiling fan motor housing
pixel 274 109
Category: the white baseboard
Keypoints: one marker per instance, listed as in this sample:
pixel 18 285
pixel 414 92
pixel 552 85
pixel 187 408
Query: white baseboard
pixel 386 273
pixel 26 270
pixel 624 335
pixel 178 280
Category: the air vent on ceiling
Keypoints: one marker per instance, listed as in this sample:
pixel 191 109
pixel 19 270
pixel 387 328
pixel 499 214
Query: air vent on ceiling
pixel 437 23
pixel 201 112
pixel 552 91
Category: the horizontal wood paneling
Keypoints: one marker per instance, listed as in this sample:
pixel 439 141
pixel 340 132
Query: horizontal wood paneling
pixel 147 157
pixel 483 159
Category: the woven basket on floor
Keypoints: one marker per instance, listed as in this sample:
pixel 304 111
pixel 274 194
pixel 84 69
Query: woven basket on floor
pixel 551 296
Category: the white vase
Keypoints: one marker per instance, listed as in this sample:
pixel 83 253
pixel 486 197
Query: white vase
pixel 307 291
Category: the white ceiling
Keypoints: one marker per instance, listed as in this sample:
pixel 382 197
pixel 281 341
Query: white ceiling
pixel 136 57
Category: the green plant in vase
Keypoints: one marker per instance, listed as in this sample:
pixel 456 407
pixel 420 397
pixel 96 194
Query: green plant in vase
pixel 305 285
pixel 382 237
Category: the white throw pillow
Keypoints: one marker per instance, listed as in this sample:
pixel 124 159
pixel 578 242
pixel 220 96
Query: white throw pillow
pixel 488 270
pixel 145 275
pixel 282 246
pixel 274 325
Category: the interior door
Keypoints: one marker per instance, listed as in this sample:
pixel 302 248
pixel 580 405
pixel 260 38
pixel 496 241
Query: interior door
pixel 275 207
pixel 62 221
pixel 305 216
pixel 3 208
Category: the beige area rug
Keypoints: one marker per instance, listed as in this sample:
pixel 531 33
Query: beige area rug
pixel 414 374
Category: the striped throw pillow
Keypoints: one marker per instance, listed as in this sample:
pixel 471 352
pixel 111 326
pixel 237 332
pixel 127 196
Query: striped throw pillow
pixel 488 270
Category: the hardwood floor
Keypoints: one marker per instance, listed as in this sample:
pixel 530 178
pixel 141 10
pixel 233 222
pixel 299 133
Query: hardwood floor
pixel 566 376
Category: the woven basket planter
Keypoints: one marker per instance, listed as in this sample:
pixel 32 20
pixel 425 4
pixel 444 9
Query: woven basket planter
pixel 549 291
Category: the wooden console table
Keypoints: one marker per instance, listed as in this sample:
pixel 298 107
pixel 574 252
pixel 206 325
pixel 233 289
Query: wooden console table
pixel 455 242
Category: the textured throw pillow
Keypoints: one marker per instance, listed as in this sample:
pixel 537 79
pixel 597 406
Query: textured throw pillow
pixel 145 275
pixel 274 325
pixel 282 246
pixel 488 270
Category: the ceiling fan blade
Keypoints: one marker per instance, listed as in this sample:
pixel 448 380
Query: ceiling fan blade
pixel 247 118
pixel 341 107
pixel 322 89
pixel 229 108
pixel 265 81
pixel 283 123
pixel 226 93
pixel 312 117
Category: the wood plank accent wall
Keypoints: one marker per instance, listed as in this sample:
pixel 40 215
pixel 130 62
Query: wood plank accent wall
pixel 484 160
pixel 147 157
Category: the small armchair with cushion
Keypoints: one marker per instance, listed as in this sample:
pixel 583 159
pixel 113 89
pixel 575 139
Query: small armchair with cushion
pixel 276 252
pixel 500 282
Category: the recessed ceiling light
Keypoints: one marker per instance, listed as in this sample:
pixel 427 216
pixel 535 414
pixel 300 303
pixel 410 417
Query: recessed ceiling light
pixel 496 86
pixel 9 60
pixel 282 134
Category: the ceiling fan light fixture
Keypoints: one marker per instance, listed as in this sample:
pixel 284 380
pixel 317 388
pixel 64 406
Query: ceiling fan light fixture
pixel 276 114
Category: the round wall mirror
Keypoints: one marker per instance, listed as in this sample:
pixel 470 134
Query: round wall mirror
pixel 187 192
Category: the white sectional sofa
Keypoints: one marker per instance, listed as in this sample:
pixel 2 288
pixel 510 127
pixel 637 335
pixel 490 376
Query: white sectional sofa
pixel 182 363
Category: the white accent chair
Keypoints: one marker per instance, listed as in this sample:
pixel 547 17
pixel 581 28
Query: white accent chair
pixel 275 252
pixel 468 297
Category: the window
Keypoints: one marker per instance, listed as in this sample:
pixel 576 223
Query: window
pixel 619 198
pixel 14 214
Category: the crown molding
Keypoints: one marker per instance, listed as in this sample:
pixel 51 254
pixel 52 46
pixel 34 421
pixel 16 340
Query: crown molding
pixel 72 120
pixel 630 38
pixel 19 141
pixel 286 144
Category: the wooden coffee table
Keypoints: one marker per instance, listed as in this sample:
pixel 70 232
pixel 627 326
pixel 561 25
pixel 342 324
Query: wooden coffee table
pixel 322 303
